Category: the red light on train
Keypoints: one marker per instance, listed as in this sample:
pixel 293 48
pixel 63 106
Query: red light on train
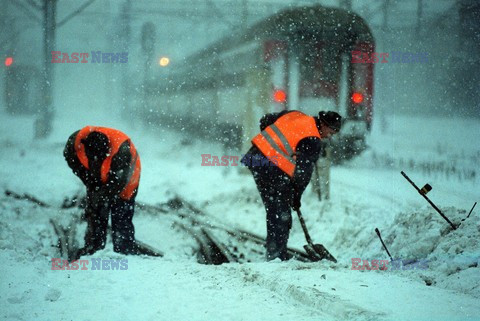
pixel 279 96
pixel 8 61
pixel 357 98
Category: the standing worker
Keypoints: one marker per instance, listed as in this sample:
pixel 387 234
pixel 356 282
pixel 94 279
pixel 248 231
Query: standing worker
pixel 108 164
pixel 290 144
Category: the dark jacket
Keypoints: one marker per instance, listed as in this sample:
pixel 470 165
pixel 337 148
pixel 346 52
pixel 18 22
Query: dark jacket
pixel 119 173
pixel 308 151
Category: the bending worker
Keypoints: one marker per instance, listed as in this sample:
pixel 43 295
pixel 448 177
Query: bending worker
pixel 282 160
pixel 108 164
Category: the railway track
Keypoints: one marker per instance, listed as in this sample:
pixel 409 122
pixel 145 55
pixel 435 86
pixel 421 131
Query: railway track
pixel 216 242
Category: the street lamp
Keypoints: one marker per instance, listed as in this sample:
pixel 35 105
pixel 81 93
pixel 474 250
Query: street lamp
pixel 164 61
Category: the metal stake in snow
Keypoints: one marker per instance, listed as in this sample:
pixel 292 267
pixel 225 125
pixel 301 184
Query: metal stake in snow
pixel 424 192
pixel 470 212
pixel 384 246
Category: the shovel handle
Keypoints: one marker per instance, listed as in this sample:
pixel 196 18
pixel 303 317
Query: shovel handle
pixel 304 227
pixel 317 253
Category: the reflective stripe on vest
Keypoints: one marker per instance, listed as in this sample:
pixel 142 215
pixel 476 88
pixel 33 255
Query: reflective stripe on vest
pixel 116 138
pixel 279 140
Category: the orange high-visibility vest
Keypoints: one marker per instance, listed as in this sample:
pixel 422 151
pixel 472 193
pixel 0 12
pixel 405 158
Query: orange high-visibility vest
pixel 116 139
pixel 279 140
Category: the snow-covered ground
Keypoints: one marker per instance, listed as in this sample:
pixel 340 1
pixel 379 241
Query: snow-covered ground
pixel 366 193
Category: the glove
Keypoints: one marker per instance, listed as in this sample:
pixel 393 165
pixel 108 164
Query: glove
pixel 295 201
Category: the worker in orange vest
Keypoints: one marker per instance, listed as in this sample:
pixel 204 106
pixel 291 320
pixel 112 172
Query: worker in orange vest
pixel 108 164
pixel 282 160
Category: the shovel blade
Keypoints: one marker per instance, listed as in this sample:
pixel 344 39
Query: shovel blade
pixel 146 249
pixel 318 252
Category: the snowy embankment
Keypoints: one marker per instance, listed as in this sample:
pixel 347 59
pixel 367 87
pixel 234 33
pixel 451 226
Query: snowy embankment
pixel 366 193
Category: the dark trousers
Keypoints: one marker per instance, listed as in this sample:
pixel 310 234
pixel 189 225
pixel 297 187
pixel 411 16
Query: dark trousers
pixel 97 212
pixel 276 192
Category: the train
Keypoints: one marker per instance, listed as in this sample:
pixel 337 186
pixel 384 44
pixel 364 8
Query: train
pixel 299 58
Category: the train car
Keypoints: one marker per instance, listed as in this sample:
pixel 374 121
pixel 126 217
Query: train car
pixel 299 58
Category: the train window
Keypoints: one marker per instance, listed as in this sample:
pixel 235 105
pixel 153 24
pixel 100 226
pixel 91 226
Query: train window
pixel 278 73
pixel 319 70
pixel 359 76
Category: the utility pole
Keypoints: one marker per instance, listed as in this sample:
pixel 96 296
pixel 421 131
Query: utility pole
pixel 148 49
pixel 244 15
pixel 386 6
pixel 125 34
pixel 419 17
pixel 43 123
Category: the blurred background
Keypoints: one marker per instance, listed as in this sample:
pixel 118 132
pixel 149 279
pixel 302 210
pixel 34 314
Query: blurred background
pixel 159 36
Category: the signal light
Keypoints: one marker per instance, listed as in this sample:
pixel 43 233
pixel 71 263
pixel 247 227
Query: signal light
pixel 279 96
pixel 357 98
pixel 164 61
pixel 8 61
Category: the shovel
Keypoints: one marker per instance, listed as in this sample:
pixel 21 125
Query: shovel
pixel 316 252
